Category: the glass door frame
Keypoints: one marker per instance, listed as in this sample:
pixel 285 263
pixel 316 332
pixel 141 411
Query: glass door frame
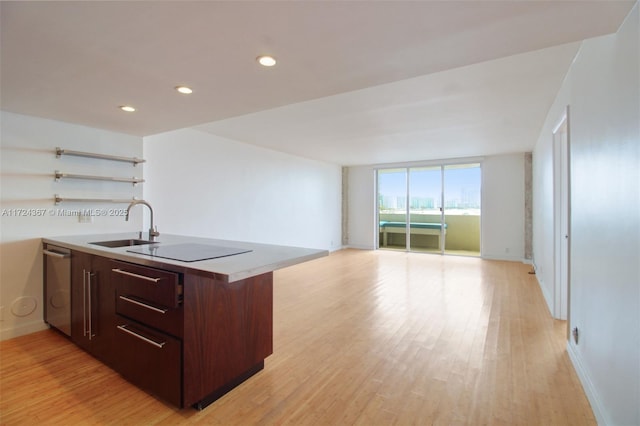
pixel 405 171
pixel 408 167
pixel 439 205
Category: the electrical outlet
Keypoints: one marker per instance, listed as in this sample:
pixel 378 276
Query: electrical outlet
pixel 576 334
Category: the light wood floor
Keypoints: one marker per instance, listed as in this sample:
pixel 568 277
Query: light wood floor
pixel 360 337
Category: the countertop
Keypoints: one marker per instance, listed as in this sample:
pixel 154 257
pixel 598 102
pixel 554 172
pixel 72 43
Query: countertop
pixel 261 259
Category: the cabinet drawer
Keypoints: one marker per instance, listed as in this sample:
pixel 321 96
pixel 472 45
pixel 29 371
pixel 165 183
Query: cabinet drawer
pixel 168 320
pixel 150 360
pixel 154 285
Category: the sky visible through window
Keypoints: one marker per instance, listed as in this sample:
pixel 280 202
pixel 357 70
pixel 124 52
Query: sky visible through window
pixel 462 189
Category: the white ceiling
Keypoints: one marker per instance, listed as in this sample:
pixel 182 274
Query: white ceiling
pixel 357 82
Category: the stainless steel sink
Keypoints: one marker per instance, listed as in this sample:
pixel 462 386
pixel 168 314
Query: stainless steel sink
pixel 122 243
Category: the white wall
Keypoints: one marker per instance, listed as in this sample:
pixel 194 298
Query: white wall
pixel 361 222
pixel 603 91
pixel 543 209
pixel 503 207
pixel 204 185
pixel 502 227
pixel 198 185
pixel 28 163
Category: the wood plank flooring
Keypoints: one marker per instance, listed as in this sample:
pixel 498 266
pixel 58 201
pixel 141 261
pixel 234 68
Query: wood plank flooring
pixel 360 338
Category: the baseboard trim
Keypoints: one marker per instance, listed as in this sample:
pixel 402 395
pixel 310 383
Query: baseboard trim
pixel 505 258
pixel 548 298
pixel 360 247
pixel 587 385
pixel 24 329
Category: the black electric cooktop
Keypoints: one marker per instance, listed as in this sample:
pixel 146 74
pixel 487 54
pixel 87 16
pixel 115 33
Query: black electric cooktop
pixel 189 252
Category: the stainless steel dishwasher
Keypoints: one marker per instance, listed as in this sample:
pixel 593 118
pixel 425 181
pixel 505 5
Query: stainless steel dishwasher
pixel 57 287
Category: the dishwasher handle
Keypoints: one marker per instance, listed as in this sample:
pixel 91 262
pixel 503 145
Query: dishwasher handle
pixel 56 254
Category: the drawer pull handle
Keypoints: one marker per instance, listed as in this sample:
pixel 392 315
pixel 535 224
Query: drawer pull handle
pixel 131 274
pixel 144 305
pixel 141 337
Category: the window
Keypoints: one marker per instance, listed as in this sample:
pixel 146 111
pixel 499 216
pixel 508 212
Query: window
pixel 430 209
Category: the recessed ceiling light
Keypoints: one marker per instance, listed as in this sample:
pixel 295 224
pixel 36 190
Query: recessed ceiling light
pixel 184 90
pixel 266 60
pixel 127 108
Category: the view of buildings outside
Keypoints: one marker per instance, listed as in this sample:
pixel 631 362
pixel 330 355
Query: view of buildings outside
pixel 461 190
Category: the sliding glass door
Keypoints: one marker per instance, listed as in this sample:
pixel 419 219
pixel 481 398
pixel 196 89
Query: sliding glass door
pixel 392 208
pixel 462 208
pixel 432 209
pixel 425 209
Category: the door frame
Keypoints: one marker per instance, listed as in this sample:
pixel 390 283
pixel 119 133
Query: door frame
pixel 441 164
pixel 561 138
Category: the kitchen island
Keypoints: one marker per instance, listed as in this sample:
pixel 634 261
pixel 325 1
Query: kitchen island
pixel 185 318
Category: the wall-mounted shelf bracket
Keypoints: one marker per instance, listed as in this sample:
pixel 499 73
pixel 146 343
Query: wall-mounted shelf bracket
pixel 58 199
pixel 134 180
pixel 134 160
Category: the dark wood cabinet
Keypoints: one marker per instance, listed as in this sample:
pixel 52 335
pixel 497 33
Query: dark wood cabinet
pixel 183 337
pixel 150 296
pixel 149 328
pixel 92 306
pixel 158 286
pixel 232 323
pixel 150 359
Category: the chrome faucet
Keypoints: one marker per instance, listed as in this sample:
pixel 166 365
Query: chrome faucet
pixel 153 232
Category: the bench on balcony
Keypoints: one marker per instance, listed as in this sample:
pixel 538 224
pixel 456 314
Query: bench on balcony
pixel 417 228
